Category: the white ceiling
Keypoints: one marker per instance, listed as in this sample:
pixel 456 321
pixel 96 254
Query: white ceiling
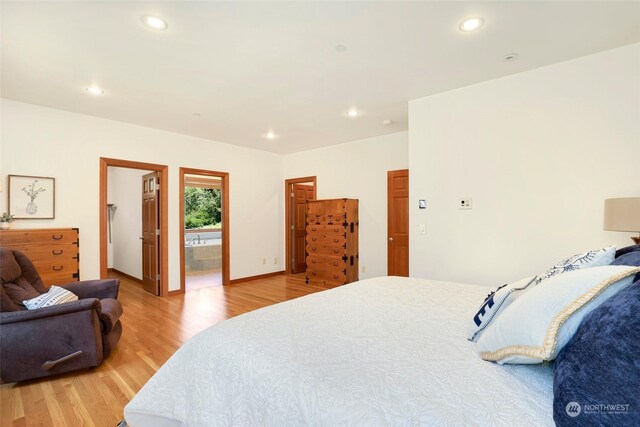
pixel 248 67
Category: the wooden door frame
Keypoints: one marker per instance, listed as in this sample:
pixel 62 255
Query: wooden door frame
pixel 226 274
pixel 288 188
pixel 163 171
pixel 389 174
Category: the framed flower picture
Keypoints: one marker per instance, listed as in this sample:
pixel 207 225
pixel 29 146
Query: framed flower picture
pixel 32 197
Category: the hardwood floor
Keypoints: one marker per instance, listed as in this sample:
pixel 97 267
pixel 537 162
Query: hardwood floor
pixel 154 328
pixel 202 279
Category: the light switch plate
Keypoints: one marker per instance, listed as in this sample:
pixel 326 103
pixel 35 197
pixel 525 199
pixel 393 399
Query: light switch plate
pixel 466 204
pixel 423 228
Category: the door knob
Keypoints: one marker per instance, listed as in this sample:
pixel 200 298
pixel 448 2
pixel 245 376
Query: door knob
pixel 390 239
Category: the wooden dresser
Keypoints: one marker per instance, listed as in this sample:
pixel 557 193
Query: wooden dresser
pixel 53 251
pixel 332 241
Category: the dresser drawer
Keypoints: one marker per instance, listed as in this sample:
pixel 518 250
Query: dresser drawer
pixel 325 262
pixel 327 275
pixel 57 266
pixel 58 279
pixel 54 251
pixel 325 249
pixel 335 240
pixel 326 230
pixel 326 219
pixel 39 237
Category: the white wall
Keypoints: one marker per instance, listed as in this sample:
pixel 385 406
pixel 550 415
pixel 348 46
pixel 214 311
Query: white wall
pixel 125 191
pixel 538 152
pixel 357 170
pixel 47 142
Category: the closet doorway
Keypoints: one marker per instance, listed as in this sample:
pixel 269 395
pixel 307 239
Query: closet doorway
pixel 297 191
pixel 133 222
pixel 204 229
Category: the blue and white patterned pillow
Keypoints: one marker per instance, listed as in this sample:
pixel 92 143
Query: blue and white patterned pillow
pixel 496 302
pixel 55 296
pixel 593 258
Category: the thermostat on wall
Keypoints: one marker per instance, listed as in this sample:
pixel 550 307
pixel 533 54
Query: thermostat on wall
pixel 422 204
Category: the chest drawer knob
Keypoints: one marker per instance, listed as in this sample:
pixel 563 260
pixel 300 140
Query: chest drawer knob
pixel 56 236
pixel 57 251
pixel 58 267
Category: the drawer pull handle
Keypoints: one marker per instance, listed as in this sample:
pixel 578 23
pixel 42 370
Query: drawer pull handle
pixel 57 236
pixel 336 240
pixel 57 267
pixel 335 276
pixel 313 239
pixel 313 229
pixel 335 264
pixel 313 261
pixel 57 251
pixel 335 251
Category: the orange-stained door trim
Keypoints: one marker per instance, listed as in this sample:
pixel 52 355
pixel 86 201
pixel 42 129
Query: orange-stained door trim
pixel 163 171
pixel 398 223
pixel 226 274
pixel 288 214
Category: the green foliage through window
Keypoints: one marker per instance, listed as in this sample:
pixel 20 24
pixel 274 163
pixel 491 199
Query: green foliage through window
pixel 202 207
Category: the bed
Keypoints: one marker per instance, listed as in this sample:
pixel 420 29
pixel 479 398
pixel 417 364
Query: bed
pixel 383 351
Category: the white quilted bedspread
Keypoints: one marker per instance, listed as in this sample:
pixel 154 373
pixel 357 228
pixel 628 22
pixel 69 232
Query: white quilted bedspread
pixel 386 351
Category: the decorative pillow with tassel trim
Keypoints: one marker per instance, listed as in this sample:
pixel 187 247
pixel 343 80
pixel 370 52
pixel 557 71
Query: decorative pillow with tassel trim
pixel 537 325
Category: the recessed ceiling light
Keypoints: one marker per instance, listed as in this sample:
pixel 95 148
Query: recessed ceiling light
pixel 353 113
pixel 270 135
pixel 341 48
pixel 196 114
pixel 154 22
pixel 387 122
pixel 510 57
pixel 95 90
pixel 471 24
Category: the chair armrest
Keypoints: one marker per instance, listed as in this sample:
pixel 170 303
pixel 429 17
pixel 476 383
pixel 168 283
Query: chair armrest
pixel 100 289
pixel 111 312
pixel 55 310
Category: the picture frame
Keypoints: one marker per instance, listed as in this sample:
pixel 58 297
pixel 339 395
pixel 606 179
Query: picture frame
pixel 32 197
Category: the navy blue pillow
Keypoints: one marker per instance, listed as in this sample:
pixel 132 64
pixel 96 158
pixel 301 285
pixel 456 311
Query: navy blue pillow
pixel 597 374
pixel 626 250
pixel 629 258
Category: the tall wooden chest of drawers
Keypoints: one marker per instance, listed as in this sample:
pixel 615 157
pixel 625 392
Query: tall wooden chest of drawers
pixel 53 251
pixel 332 241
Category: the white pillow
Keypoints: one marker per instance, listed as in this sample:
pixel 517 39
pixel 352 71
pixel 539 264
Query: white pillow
pixel 495 303
pixel 54 296
pixel 595 258
pixel 536 326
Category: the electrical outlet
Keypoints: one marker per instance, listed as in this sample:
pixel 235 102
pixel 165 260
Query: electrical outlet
pixel 264 261
pixel 466 204
pixel 275 260
pixel 364 269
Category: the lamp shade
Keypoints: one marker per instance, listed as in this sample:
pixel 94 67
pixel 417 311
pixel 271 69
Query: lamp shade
pixel 622 214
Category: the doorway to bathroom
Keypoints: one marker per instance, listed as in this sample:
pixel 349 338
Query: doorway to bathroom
pixel 204 230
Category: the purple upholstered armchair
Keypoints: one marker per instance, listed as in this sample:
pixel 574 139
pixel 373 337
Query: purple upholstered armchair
pixel 53 340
